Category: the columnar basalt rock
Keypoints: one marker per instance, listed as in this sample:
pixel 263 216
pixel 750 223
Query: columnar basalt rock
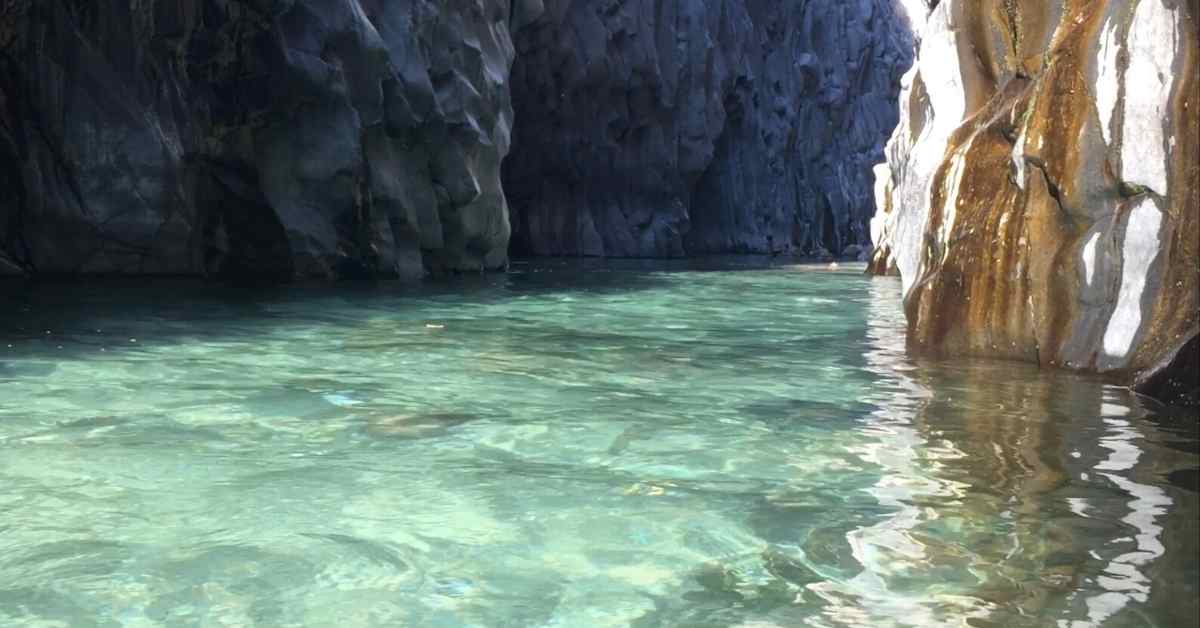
pixel 1041 196
pixel 288 138
pixel 673 127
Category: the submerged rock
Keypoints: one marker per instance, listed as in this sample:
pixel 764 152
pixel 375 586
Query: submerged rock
pixel 27 368
pixel 298 138
pixel 661 129
pixel 374 551
pixel 414 426
pixel 786 566
pixel 1041 196
pixel 92 422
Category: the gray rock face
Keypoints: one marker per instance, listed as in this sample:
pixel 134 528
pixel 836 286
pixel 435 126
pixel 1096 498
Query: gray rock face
pixel 288 138
pixel 678 127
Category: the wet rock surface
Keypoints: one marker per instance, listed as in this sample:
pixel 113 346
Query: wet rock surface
pixel 1041 197
pixel 281 138
pixel 677 127
pixel 414 426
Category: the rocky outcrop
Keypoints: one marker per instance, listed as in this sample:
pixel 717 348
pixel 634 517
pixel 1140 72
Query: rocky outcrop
pixel 288 138
pixel 1041 197
pixel 673 127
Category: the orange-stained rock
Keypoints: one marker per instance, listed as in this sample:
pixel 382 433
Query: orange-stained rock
pixel 1041 197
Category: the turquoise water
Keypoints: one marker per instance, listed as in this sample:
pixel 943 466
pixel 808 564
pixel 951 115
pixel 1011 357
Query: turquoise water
pixel 567 446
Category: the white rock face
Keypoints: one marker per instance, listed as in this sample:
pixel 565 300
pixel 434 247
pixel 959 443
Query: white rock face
pixel 1140 249
pixel 1039 198
pixel 1154 52
pixel 932 105
pixel 1089 258
pixel 1108 78
pixel 917 11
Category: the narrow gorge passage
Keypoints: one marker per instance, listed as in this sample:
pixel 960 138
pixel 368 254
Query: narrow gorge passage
pixel 366 138
pixel 599 313
pixel 668 129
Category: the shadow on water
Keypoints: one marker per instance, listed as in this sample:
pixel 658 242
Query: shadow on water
pixel 32 307
pixel 168 308
pixel 43 323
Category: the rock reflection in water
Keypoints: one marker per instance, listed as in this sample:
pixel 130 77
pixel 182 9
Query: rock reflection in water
pixel 1022 464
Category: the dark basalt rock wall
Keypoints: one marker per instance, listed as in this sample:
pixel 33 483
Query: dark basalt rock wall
pixel 671 127
pixel 288 138
pixel 345 138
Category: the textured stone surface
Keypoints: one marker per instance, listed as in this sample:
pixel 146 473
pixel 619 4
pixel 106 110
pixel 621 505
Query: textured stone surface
pixel 290 138
pixel 1041 197
pixel 671 127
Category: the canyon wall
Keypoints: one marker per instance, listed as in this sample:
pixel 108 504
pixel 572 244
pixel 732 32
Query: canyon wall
pixel 364 138
pixel 673 127
pixel 1041 196
pixel 283 138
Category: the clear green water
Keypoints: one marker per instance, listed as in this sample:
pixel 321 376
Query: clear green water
pixel 570 447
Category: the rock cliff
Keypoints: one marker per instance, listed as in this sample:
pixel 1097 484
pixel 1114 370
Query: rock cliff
pixel 287 138
pixel 343 138
pixel 671 127
pixel 1041 196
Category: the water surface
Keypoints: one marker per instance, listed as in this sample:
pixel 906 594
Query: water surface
pixel 567 446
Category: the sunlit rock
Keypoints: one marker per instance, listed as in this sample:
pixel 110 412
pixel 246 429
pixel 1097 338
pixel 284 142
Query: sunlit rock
pixel 1040 196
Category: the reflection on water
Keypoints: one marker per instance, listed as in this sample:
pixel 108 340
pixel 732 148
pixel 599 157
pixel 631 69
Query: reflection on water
pixel 567 446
